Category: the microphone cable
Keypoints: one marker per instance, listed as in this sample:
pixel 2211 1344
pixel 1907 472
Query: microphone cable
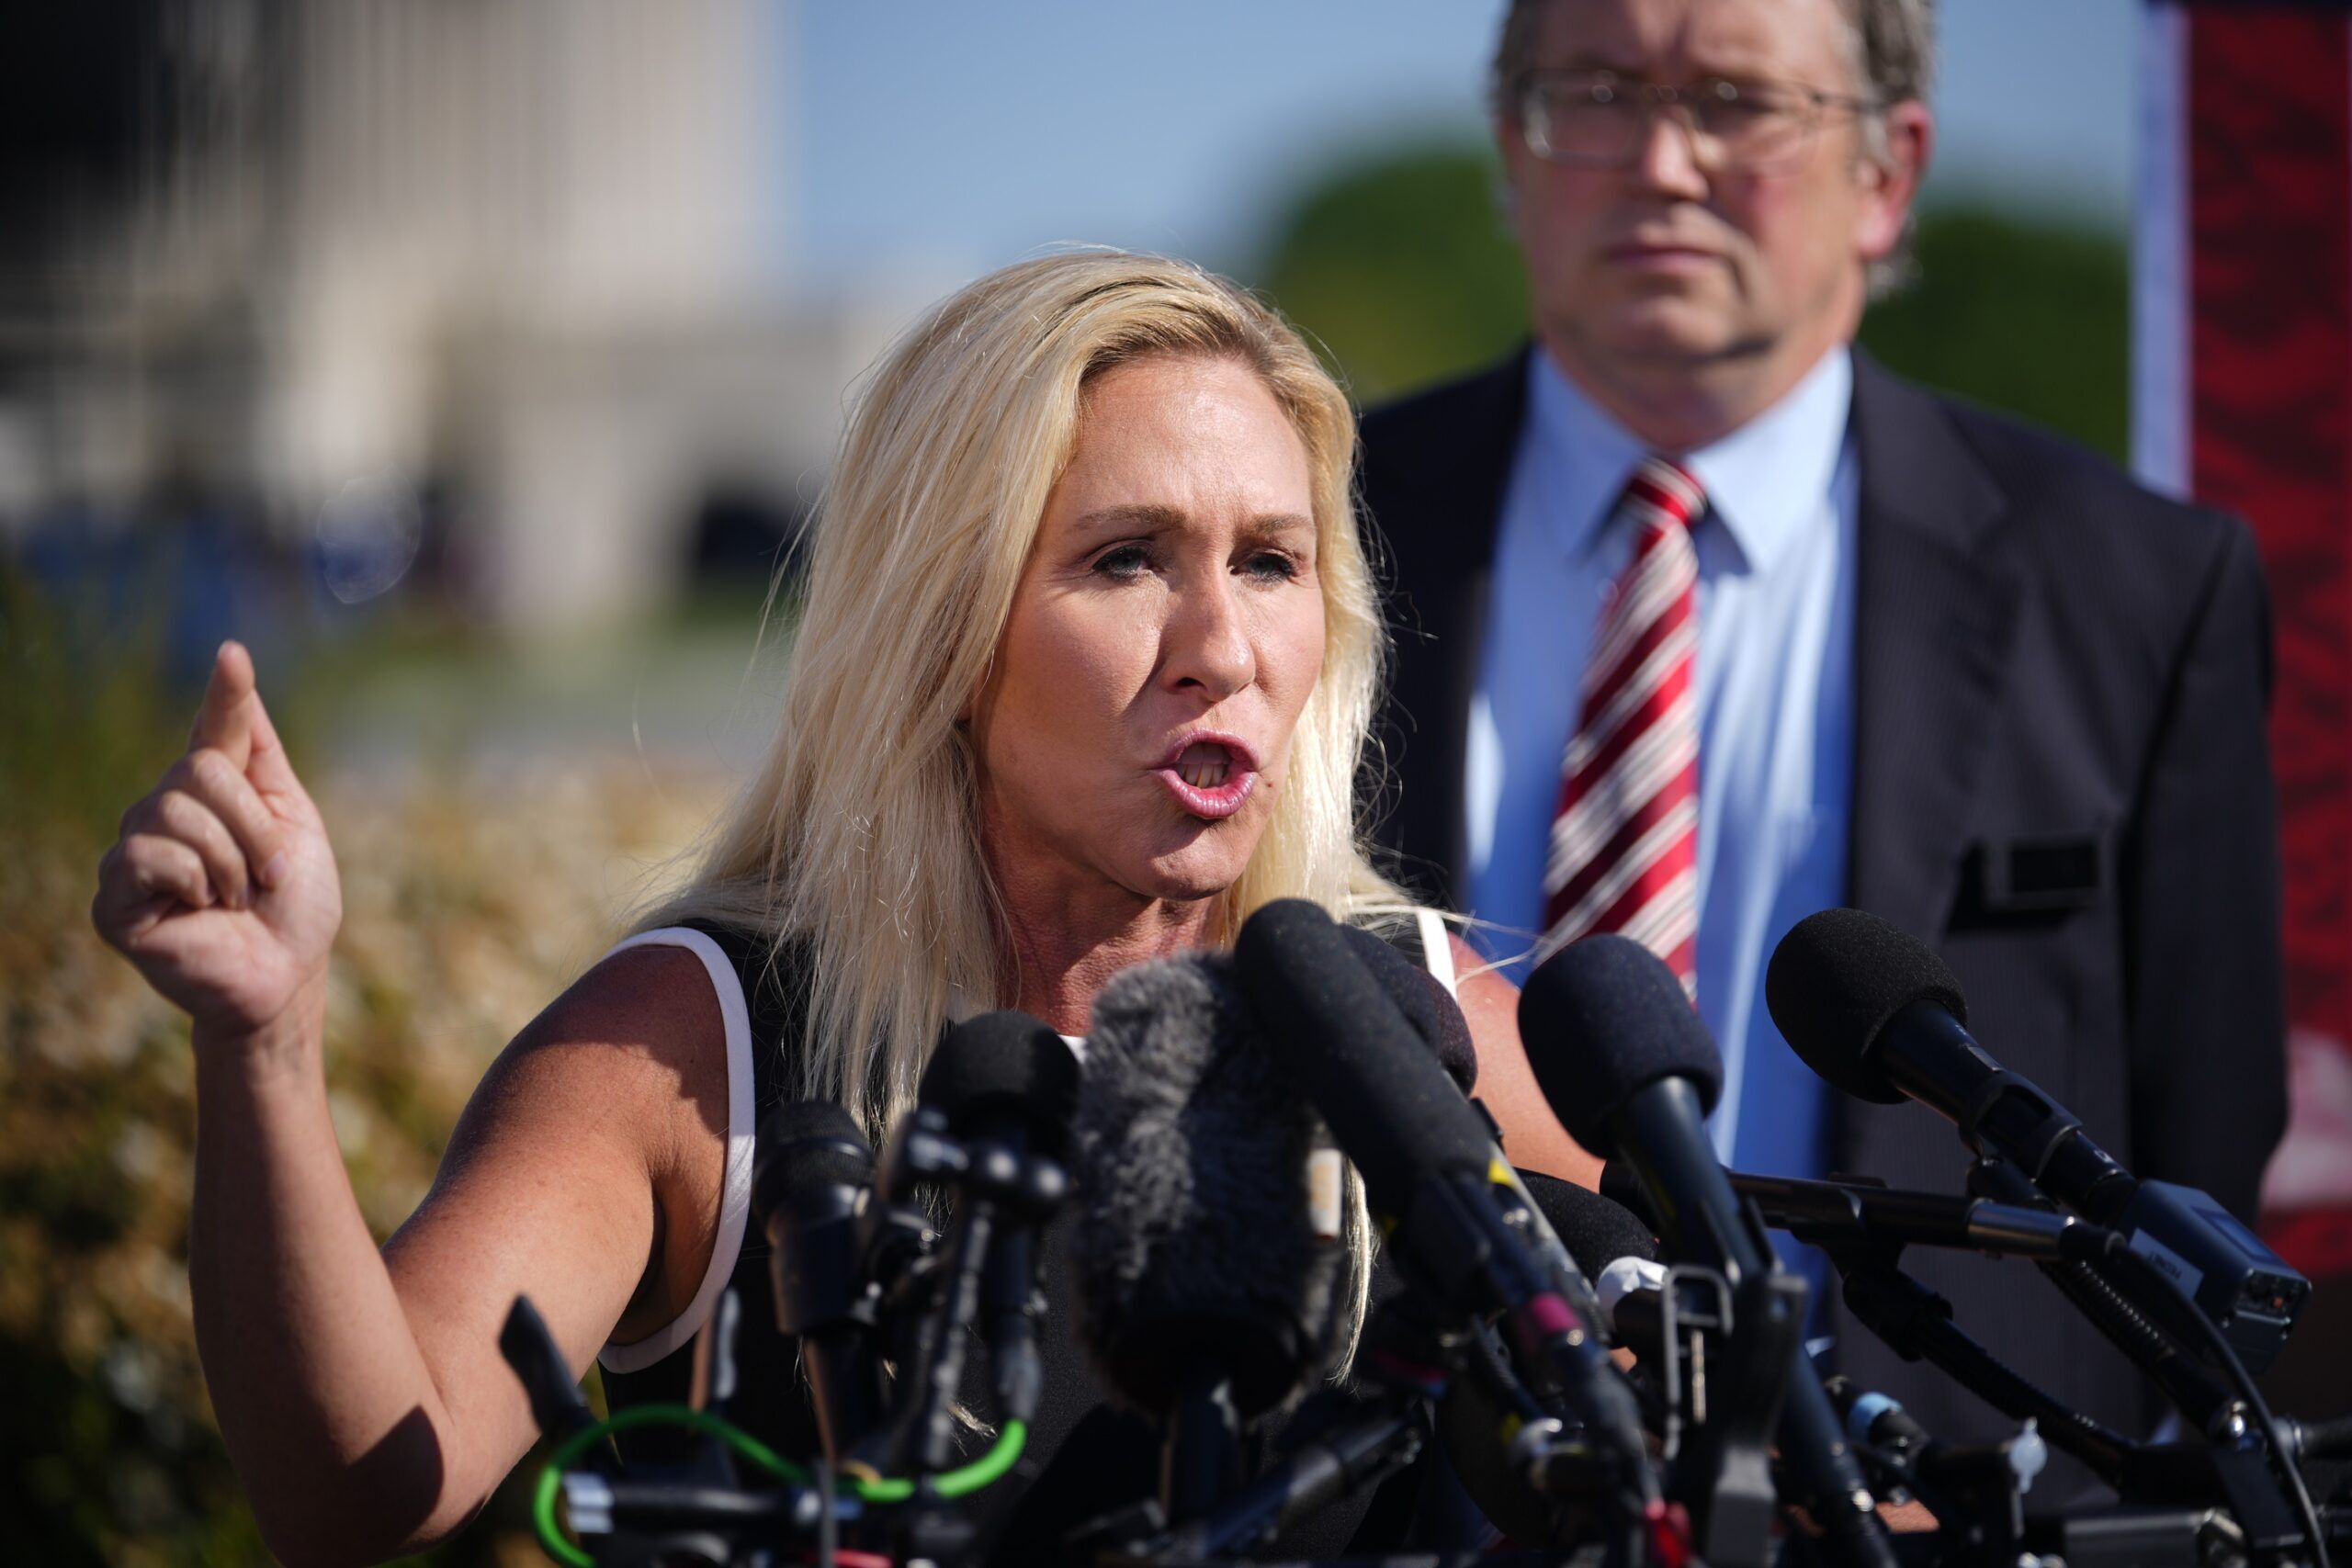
pixel 961 1481
pixel 2273 1442
pixel 2125 1324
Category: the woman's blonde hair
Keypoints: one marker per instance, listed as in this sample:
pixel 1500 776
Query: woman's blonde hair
pixel 857 842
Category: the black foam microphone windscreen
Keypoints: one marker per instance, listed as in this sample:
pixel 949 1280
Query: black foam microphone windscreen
pixel 1195 1234
pixel 1603 1020
pixel 1427 1005
pixel 1358 1060
pixel 806 1146
pixel 1596 1231
pixel 1837 980
pixel 807 1187
pixel 1005 1069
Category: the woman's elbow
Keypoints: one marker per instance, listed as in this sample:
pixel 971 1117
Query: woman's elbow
pixel 403 1496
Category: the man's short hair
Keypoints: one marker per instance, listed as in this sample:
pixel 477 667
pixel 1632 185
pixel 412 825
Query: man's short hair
pixel 1890 43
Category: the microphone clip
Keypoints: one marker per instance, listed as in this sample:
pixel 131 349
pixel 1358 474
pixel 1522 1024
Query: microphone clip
pixel 1724 1471
pixel 1024 1188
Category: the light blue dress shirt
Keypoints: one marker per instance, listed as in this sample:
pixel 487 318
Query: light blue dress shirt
pixel 1776 707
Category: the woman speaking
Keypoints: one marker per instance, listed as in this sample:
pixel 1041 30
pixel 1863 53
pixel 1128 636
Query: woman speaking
pixel 1089 651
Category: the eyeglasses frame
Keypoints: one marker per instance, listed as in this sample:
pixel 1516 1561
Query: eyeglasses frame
pixel 1659 98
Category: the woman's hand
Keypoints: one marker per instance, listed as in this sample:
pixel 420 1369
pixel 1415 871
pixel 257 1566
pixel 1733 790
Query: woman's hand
pixel 221 889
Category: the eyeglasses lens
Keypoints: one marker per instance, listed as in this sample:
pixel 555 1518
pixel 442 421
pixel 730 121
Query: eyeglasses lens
pixel 1603 122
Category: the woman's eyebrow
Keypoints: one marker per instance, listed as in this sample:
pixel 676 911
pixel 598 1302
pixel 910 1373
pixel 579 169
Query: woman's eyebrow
pixel 1152 517
pixel 1281 523
pixel 1134 514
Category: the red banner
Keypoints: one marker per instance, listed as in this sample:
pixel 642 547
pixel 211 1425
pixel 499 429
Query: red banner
pixel 2244 332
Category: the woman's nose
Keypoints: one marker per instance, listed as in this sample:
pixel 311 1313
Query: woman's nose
pixel 1206 643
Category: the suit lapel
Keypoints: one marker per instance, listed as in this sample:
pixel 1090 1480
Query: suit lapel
pixel 1936 617
pixel 1438 505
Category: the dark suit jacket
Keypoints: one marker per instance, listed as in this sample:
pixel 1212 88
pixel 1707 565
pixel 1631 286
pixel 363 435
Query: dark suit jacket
pixel 2061 783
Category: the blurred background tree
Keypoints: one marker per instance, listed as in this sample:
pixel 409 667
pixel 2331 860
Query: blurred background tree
pixel 1400 266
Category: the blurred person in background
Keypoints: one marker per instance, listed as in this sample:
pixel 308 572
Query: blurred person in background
pixel 1117 702
pixel 1707 622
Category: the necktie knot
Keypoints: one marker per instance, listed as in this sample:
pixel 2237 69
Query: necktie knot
pixel 1664 495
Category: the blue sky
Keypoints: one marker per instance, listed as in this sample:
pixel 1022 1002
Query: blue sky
pixel 928 140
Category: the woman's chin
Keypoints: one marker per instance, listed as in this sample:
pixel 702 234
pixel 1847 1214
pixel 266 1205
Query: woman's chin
pixel 1185 884
pixel 1203 868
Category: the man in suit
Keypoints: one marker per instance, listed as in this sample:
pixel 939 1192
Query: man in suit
pixel 1705 622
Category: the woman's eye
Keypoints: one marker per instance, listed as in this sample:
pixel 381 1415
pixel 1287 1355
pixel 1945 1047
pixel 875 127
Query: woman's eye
pixel 1273 565
pixel 1125 560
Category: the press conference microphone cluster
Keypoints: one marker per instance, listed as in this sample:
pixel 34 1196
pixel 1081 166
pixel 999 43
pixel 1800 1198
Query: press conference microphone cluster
pixel 1247 1129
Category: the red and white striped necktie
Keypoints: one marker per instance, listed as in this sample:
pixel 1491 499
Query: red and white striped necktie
pixel 1624 848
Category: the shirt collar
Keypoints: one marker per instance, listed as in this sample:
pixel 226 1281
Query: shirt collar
pixel 1764 482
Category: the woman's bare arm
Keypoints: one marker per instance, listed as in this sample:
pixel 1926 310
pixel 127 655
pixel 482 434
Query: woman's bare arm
pixel 361 1394
pixel 1533 1135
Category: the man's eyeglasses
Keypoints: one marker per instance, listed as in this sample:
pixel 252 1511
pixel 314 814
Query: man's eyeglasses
pixel 1599 119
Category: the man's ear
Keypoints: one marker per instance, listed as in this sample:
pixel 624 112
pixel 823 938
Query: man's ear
pixel 1892 184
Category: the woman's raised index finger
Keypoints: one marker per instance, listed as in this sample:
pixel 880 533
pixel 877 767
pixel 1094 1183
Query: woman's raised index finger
pixel 224 721
pixel 266 766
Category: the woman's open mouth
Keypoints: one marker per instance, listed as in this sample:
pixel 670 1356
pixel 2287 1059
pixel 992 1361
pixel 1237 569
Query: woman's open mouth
pixel 1210 775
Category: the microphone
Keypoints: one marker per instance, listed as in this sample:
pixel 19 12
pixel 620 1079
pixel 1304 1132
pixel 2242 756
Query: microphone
pixel 1879 1016
pixel 1458 1220
pixel 1009 1079
pixel 808 1186
pixel 1207 1294
pixel 1435 1016
pixel 1002 1087
pixel 1627 1066
pixel 1597 1230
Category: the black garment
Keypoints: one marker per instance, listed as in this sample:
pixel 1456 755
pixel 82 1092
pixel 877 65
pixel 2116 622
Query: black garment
pixel 2061 783
pixel 1082 1458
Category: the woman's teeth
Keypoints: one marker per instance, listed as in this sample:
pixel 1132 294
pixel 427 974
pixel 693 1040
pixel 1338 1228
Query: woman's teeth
pixel 1203 775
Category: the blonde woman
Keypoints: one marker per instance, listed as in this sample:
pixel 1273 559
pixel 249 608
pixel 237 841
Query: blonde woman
pixel 1089 655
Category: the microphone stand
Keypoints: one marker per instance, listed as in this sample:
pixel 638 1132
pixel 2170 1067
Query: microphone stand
pixel 1200 1455
pixel 1360 1453
pixel 1916 1323
pixel 1001 1196
pixel 2209 1408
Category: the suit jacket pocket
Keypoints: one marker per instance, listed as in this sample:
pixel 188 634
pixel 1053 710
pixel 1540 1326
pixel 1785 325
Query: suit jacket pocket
pixel 2032 878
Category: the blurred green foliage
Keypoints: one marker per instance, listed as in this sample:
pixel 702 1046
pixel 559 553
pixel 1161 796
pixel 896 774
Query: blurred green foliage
pixel 2030 314
pixel 1401 268
pixel 106 1453
pixel 1398 267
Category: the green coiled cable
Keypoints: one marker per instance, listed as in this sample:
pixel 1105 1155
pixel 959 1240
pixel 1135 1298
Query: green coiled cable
pixel 958 1482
